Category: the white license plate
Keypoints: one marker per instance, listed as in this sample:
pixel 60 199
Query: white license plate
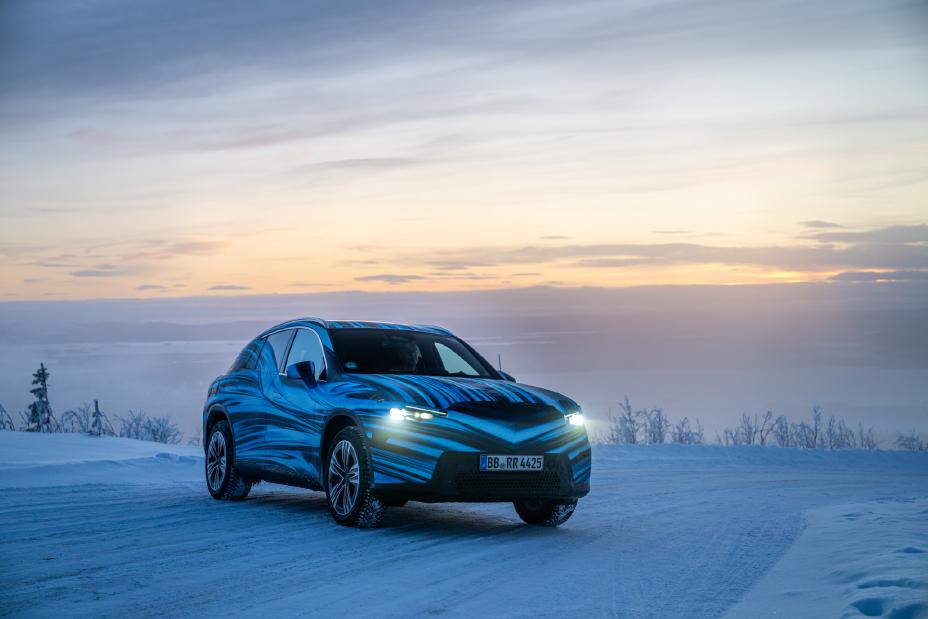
pixel 490 462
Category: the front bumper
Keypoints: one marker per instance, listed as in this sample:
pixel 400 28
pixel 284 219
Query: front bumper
pixel 457 478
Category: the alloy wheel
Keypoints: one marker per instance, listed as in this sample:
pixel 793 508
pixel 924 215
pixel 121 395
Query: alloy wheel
pixel 216 457
pixel 344 478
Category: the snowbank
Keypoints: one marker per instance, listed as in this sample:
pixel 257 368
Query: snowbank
pixel 34 460
pixel 866 559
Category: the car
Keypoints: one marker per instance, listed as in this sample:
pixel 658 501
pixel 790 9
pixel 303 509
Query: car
pixel 377 414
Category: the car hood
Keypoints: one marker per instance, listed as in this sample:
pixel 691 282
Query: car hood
pixel 458 393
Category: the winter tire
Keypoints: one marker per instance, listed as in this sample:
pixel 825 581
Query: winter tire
pixel 348 481
pixel 222 481
pixel 545 513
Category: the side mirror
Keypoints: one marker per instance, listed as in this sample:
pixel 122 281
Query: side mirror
pixel 303 370
pixel 508 376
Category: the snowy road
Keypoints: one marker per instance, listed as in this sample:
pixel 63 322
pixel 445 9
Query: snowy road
pixel 667 532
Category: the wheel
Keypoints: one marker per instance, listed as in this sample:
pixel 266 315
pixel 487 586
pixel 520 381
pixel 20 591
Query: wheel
pixel 348 481
pixel 546 513
pixel 222 481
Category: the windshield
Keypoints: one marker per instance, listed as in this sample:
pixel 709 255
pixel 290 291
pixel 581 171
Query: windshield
pixel 375 351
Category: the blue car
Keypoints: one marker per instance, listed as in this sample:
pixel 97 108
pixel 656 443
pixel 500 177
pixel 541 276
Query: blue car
pixel 378 414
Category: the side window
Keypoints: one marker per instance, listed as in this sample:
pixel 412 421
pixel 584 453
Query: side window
pixel 453 362
pixel 278 343
pixel 306 347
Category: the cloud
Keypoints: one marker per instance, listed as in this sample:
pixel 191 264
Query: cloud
pixel 555 237
pixel 818 223
pixel 389 278
pixel 196 248
pixel 671 231
pixel 151 287
pixel 228 287
pixel 881 276
pixel 97 273
pixel 894 248
pixel 891 235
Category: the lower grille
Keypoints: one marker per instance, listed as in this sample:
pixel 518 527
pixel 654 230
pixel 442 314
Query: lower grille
pixel 543 483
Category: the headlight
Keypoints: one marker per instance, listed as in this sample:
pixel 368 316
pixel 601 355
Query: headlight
pixel 415 413
pixel 575 419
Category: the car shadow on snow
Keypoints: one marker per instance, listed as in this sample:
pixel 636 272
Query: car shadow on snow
pixel 413 518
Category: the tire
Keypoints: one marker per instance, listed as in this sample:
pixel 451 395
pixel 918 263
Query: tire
pixel 348 480
pixel 222 480
pixel 544 513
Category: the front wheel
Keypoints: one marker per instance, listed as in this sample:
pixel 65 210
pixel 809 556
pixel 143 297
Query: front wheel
pixel 545 513
pixel 348 481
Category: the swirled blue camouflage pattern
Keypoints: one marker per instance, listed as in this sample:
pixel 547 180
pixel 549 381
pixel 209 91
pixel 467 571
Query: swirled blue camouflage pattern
pixel 280 424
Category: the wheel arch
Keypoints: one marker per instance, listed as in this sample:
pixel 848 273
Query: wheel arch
pixel 335 424
pixel 216 414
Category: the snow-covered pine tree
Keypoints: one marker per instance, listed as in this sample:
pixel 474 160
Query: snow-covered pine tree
pixel 99 424
pixel 40 417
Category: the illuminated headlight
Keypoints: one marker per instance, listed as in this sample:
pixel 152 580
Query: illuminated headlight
pixel 415 413
pixel 575 419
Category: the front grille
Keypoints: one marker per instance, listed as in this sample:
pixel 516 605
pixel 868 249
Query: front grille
pixel 545 482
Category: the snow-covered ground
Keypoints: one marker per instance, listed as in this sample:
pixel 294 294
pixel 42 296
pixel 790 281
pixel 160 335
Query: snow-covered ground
pixel 112 527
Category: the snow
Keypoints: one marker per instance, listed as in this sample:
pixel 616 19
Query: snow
pixel 865 559
pixel 109 527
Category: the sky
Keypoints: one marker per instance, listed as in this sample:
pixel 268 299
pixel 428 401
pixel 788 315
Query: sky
pixel 170 149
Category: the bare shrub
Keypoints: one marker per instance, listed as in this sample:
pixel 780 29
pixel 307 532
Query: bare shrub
pixel 6 422
pixel 655 425
pixel 685 434
pixel 911 442
pixel 77 420
pixel 781 433
pixel 866 439
pixel 140 426
pixel 162 430
pixel 623 429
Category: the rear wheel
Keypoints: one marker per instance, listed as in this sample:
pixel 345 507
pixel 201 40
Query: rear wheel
pixel 348 481
pixel 222 481
pixel 543 512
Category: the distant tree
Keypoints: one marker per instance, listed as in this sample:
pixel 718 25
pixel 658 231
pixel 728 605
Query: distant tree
pixel 623 429
pixel 838 435
pixel 40 417
pixel 133 426
pixel 162 430
pixel 6 422
pixel 685 434
pixel 781 432
pixel 77 420
pixel 655 425
pixel 911 442
pixel 140 426
pixel 99 423
pixel 866 439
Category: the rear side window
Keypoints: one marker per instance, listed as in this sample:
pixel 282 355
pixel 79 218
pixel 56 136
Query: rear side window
pixel 248 358
pixel 278 343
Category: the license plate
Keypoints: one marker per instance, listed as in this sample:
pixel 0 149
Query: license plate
pixel 490 462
